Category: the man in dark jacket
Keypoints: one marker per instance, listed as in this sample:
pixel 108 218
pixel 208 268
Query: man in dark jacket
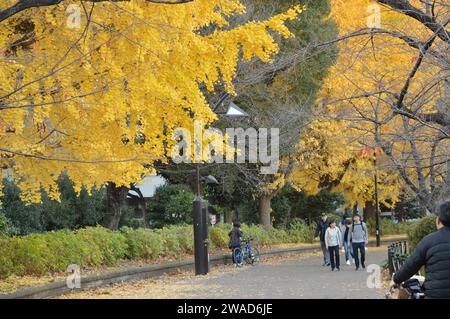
pixel 433 252
pixel 320 231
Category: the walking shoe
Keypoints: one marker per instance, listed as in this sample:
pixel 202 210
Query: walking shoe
pixel 363 266
pixel 338 269
pixel 332 269
pixel 357 268
pixel 348 262
pixel 328 264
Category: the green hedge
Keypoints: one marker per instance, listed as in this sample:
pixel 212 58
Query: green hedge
pixel 38 254
pixel 297 232
pixel 387 227
pixel 54 251
pixel 420 229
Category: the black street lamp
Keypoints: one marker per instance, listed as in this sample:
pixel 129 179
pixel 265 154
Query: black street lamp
pixel 201 222
pixel 377 211
pixel 201 225
pixel 376 150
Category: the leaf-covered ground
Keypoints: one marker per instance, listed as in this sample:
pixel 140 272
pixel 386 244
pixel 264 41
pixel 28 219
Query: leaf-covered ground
pixel 13 283
pixel 178 284
pixel 294 276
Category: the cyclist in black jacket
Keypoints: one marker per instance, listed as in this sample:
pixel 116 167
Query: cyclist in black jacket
pixel 235 238
pixel 433 252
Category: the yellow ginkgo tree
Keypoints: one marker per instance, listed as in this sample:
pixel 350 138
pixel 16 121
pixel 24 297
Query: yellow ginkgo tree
pixel 330 157
pixel 95 89
pixel 389 90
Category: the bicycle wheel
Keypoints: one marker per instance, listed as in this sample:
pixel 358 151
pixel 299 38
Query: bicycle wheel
pixel 248 256
pixel 238 257
pixel 254 255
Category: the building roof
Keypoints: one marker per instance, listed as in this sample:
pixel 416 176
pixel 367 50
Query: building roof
pixel 149 184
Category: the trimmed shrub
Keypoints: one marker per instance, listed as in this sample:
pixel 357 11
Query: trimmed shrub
pixel 169 240
pixel 49 252
pixel 420 229
pixel 299 232
pixel 387 227
pixel 185 236
pixel 110 245
pixel 7 265
pixel 39 254
pixel 31 254
pixel 259 234
pixel 142 243
pixel 64 248
pixel 218 235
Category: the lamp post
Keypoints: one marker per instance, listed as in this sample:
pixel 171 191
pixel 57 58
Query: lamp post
pixel 377 212
pixel 200 215
pixel 375 151
pixel 201 225
pixel 200 244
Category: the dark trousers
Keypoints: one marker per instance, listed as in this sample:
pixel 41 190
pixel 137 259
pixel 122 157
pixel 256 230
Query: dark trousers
pixel 334 256
pixel 326 252
pixel 359 247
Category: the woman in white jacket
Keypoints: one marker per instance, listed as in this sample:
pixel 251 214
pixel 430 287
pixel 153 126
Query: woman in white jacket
pixel 333 241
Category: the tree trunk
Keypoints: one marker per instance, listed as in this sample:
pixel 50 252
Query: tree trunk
pixel 287 220
pixel 116 198
pixel 140 205
pixel 264 211
pixel 369 211
pixel 426 206
pixel 229 216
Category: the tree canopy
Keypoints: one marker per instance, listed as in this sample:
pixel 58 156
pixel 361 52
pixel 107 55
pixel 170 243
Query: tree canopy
pixel 100 102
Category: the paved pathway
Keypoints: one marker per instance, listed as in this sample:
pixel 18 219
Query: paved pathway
pixel 295 277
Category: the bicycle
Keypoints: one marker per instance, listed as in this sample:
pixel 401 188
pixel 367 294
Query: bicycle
pixel 248 254
pixel 410 289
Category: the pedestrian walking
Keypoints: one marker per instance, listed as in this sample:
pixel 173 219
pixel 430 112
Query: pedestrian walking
pixel 345 229
pixel 333 241
pixel 320 231
pixel 358 237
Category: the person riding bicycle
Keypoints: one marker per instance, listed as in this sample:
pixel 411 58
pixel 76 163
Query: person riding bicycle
pixel 433 252
pixel 235 238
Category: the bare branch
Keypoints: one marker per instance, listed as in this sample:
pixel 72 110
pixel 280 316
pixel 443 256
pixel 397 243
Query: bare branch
pixel 429 21
pixel 23 5
pixel 73 160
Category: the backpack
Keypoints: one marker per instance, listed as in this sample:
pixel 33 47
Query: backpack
pixel 363 225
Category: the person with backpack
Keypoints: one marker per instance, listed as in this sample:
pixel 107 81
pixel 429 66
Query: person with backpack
pixel 320 231
pixel 358 237
pixel 333 241
pixel 235 238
